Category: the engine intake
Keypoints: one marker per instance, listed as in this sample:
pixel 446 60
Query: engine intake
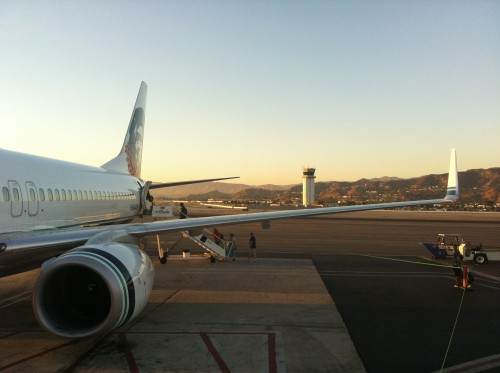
pixel 92 290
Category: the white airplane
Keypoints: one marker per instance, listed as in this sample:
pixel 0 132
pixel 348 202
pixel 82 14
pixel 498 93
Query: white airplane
pixel 96 276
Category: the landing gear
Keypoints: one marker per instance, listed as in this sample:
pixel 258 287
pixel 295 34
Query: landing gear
pixel 212 259
pixel 162 255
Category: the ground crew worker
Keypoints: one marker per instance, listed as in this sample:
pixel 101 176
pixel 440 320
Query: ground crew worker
pixel 457 267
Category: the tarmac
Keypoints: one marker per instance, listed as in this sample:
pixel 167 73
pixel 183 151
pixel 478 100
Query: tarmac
pixel 389 313
pixel 268 315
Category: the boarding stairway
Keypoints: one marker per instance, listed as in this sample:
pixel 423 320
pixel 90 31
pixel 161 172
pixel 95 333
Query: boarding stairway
pixel 216 251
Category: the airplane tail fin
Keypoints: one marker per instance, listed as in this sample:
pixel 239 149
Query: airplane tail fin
pixel 452 192
pixel 130 157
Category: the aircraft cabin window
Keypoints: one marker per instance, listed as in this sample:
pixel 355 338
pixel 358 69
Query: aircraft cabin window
pixel 32 194
pixel 63 195
pixel 58 196
pixel 15 194
pixel 6 194
pixel 75 195
pixel 50 195
pixel 41 194
pixel 80 195
pixel 99 194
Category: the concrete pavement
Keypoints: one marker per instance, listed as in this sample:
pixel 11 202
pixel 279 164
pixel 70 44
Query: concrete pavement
pixel 269 315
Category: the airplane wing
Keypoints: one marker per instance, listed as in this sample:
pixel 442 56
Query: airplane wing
pixel 65 239
pixel 105 280
pixel 145 229
pixel 177 183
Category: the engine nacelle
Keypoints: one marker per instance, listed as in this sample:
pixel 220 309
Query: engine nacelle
pixel 93 289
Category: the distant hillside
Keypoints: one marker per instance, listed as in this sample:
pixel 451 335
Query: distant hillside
pixel 205 188
pixel 197 189
pixel 476 186
pixel 214 194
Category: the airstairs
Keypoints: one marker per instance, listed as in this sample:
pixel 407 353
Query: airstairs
pixel 213 250
pixel 216 251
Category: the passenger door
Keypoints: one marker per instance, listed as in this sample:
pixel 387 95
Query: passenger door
pixel 16 199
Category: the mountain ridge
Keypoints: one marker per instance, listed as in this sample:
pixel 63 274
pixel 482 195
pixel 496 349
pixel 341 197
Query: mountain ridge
pixel 476 186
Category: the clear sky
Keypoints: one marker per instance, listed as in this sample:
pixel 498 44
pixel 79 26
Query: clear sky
pixel 257 89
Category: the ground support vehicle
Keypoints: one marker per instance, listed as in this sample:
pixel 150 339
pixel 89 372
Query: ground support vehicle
pixel 482 254
pixel 445 243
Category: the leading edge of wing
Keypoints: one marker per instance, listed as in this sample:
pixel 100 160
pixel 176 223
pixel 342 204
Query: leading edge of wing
pixel 159 227
pixel 177 183
pixel 145 229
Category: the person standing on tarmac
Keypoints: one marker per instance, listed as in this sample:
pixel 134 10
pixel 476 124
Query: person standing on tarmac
pixel 184 212
pixel 252 242
pixel 232 247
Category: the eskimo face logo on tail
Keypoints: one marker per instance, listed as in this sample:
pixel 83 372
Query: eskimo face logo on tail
pixel 133 147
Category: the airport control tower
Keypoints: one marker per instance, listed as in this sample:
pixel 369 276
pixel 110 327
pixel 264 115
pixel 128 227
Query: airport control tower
pixel 308 186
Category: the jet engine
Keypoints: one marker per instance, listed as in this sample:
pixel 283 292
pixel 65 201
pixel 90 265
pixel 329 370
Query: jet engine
pixel 93 289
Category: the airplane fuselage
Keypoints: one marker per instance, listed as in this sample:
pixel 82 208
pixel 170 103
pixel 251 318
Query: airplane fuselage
pixel 42 193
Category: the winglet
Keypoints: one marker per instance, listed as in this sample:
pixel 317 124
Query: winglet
pixel 130 156
pixel 452 192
